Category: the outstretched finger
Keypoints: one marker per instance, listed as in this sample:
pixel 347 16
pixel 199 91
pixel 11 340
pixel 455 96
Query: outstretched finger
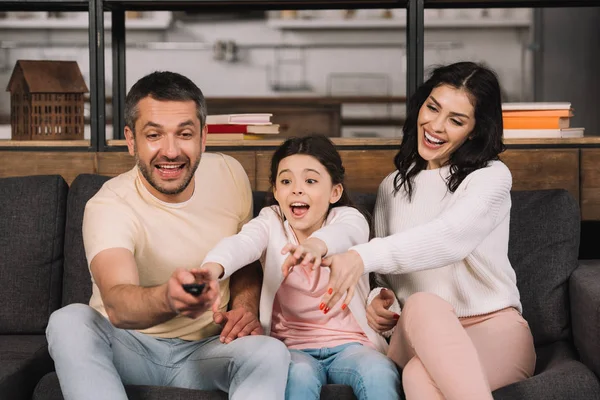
pixel 288 265
pixel 317 263
pixel 336 291
pixel 288 248
pixel 298 252
pixel 307 259
pixel 348 297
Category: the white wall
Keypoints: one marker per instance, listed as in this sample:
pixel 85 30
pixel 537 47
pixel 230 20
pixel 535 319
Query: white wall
pixel 502 48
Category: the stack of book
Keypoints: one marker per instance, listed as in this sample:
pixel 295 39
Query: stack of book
pixel 539 121
pixel 240 127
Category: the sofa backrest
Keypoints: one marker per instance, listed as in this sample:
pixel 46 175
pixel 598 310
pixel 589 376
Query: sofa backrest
pixel 32 224
pixel 77 284
pixel 543 248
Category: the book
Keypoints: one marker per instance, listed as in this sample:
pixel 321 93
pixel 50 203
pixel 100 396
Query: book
pixel 543 133
pixel 241 128
pixel 536 106
pixel 535 122
pixel 239 119
pixel 537 113
pixel 211 137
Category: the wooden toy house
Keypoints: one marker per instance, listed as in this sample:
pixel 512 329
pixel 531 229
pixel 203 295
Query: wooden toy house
pixel 46 100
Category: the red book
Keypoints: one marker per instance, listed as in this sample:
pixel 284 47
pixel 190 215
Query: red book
pixel 235 128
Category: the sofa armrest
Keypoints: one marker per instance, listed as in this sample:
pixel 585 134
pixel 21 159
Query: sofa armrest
pixel 584 288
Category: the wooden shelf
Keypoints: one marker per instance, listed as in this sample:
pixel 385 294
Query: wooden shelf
pixel 323 24
pixel 44 5
pixel 228 5
pixel 508 3
pixel 43 143
pixel 158 21
pixel 377 142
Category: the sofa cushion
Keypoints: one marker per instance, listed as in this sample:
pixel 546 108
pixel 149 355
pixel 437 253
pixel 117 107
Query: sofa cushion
pixel 25 360
pixel 543 248
pixel 77 284
pixel 558 376
pixel 32 223
pixel 49 389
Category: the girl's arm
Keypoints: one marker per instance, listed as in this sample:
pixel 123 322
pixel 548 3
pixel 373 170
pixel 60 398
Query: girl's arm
pixel 449 238
pixel 237 251
pixel 346 227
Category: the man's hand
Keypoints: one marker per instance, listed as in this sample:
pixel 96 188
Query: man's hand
pixel 308 253
pixel 238 322
pixel 378 314
pixel 186 304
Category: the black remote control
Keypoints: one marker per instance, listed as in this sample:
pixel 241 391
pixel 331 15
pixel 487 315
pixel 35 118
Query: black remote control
pixel 194 289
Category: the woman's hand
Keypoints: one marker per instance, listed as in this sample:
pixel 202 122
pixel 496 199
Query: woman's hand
pixel 308 253
pixel 346 270
pixel 379 317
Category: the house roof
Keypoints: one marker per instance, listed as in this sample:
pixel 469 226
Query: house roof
pixel 43 76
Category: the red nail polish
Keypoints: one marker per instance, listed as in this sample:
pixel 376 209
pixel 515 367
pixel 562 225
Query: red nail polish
pixel 344 306
pixel 330 290
pixel 326 310
pixel 396 316
pixel 321 306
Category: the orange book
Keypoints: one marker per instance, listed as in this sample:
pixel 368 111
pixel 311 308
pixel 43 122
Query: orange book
pixel 535 122
pixel 537 113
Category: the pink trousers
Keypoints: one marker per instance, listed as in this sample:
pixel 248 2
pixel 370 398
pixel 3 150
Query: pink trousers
pixel 446 357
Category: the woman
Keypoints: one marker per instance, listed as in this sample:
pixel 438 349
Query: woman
pixel 442 226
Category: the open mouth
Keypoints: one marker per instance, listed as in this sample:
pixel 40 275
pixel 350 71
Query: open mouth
pixel 299 209
pixel 433 141
pixel 169 170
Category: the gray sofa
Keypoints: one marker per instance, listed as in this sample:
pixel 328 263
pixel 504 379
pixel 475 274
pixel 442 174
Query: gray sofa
pixel 43 267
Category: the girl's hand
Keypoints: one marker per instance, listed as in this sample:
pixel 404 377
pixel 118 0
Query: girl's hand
pixel 308 253
pixel 346 270
pixel 214 269
pixel 379 317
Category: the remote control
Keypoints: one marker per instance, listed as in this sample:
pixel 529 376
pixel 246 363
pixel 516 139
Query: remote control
pixel 194 289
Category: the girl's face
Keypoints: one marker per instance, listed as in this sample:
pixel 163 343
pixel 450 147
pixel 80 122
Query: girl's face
pixel 304 191
pixel 446 120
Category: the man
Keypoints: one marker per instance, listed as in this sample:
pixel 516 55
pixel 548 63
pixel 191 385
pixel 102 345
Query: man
pixel 145 234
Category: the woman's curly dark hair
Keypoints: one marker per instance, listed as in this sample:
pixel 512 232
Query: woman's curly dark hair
pixel 485 141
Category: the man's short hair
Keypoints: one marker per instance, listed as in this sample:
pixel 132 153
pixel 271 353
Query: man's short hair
pixel 163 86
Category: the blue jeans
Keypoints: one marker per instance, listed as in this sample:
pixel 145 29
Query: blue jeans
pixel 371 375
pixel 94 360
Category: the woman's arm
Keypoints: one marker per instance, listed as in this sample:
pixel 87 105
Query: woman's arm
pixel 346 227
pixel 247 246
pixel 450 237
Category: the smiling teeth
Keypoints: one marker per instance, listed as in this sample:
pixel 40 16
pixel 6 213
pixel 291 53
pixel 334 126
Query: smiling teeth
pixel 169 166
pixel 432 139
pixel 298 204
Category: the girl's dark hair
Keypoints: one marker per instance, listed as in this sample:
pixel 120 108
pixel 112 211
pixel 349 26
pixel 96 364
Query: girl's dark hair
pixel 485 142
pixel 323 149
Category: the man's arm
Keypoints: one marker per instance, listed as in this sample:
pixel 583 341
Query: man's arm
pixel 130 306
pixel 242 318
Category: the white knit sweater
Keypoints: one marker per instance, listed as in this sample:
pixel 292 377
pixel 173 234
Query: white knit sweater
pixel 454 245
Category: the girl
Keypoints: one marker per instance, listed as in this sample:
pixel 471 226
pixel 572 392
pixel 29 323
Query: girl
pixel 312 217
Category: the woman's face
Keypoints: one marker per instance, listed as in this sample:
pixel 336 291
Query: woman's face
pixel 446 120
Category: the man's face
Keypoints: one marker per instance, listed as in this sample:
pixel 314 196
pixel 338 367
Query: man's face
pixel 167 145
